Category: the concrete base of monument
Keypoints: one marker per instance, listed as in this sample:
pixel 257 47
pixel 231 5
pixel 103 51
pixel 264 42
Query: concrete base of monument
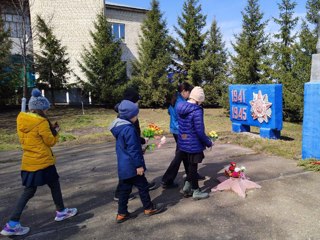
pixel 264 132
pixel 238 127
pixel 269 133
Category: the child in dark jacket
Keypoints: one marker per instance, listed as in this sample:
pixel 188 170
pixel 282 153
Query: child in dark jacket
pixel 132 95
pixel 192 140
pixel 131 165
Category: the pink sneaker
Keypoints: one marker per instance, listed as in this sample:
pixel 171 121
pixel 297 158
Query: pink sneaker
pixel 18 230
pixel 66 213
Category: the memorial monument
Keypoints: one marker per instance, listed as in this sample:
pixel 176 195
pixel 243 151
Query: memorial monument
pixel 311 115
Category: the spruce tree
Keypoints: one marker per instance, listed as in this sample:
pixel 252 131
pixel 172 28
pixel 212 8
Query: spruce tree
pixel 283 59
pixel 301 69
pixel 154 58
pixel 286 38
pixel 313 8
pixel 215 67
pixel 51 63
pixel 251 47
pixel 8 79
pixel 101 63
pixel 190 45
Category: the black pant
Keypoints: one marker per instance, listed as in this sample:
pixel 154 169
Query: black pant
pixel 192 175
pixel 174 166
pixel 116 193
pixel 125 188
pixel 193 159
pixel 29 192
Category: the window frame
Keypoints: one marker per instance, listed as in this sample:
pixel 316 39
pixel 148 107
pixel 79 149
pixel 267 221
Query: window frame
pixel 120 32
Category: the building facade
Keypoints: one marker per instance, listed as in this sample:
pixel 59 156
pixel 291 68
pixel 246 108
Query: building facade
pixel 126 25
pixel 72 22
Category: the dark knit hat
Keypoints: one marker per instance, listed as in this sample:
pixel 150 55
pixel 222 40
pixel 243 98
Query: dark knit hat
pixel 127 110
pixel 131 94
pixel 37 101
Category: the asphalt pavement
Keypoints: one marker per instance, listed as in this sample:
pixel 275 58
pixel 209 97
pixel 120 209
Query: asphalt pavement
pixel 286 207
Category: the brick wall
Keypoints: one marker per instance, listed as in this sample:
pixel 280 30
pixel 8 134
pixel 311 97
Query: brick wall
pixel 71 20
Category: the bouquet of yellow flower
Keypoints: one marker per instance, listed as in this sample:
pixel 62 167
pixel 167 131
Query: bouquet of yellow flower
pixel 153 132
pixel 213 135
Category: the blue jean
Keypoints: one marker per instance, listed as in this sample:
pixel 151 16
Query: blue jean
pixel 125 188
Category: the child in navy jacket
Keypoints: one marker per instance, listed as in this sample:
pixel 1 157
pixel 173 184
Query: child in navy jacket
pixel 192 140
pixel 131 165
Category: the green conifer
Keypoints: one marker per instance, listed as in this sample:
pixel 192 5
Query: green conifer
pixel 51 63
pixel 190 45
pixel 215 67
pixel 101 63
pixel 150 73
pixel 313 8
pixel 251 47
pixel 283 59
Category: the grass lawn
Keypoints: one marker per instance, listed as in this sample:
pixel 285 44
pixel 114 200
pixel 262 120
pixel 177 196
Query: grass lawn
pixel 92 127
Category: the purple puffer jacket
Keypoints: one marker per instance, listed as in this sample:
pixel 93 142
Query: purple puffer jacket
pixel 192 137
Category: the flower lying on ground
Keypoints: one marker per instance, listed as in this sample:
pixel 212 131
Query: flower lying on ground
pixel 233 171
pixel 213 135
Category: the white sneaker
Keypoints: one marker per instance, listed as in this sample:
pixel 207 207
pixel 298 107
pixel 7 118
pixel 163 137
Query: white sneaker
pixel 66 213
pixel 18 230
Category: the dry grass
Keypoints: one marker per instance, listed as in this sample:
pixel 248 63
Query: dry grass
pixel 93 127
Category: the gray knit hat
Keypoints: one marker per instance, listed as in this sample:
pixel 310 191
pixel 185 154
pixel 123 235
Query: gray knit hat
pixel 37 101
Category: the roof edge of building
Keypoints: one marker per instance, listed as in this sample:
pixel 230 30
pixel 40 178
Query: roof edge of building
pixel 116 6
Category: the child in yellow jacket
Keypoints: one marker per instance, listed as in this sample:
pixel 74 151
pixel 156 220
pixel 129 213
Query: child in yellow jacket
pixel 37 135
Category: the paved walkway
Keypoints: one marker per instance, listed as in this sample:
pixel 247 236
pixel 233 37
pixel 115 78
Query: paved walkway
pixel 286 207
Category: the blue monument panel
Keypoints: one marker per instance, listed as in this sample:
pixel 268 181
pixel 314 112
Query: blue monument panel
pixel 256 105
pixel 311 126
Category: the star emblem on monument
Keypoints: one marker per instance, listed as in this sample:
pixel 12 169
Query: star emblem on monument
pixel 260 107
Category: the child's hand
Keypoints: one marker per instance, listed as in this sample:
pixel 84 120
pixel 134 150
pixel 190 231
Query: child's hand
pixel 144 149
pixel 56 126
pixel 210 148
pixel 140 171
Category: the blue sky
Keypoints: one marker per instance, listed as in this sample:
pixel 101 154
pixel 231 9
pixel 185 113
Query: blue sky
pixel 226 12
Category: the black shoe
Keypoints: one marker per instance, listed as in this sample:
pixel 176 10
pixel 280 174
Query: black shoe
pixel 131 197
pixel 169 186
pixel 200 177
pixel 152 186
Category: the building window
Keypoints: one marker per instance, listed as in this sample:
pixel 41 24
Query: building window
pixel 118 31
pixel 13 23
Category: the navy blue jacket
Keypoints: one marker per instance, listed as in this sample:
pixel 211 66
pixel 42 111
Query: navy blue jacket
pixel 128 148
pixel 192 137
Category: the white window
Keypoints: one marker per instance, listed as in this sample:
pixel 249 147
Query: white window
pixel 118 31
pixel 13 22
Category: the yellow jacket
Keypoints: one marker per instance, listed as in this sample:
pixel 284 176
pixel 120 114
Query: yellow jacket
pixel 36 139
